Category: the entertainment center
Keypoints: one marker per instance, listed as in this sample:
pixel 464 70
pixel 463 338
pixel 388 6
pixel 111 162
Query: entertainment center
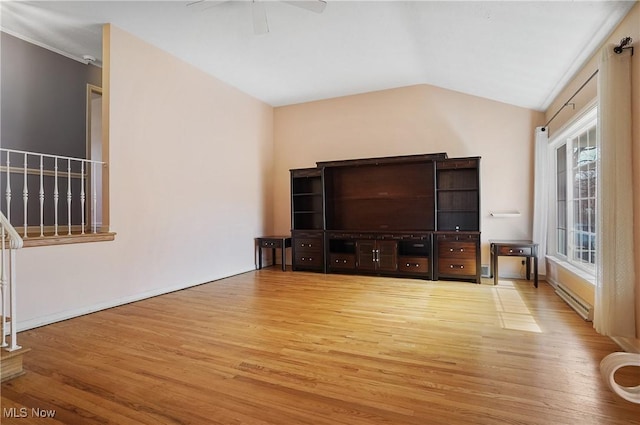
pixel 410 216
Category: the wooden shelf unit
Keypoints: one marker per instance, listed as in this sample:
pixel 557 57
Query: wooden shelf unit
pixel 385 216
pixel 307 199
pixel 307 219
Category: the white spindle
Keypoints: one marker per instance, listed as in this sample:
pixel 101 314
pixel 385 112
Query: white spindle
pixel 94 195
pixel 25 196
pixel 12 241
pixel 3 291
pixel 82 194
pixel 12 300
pixel 8 191
pixel 56 197
pixel 41 195
pixel 69 195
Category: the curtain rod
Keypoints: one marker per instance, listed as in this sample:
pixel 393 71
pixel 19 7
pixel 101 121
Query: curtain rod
pixel 568 102
pixel 625 44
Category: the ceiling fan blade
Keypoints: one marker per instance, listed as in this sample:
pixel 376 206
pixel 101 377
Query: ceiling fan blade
pixel 260 24
pixel 312 5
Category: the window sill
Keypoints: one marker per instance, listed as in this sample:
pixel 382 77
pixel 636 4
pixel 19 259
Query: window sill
pixel 582 274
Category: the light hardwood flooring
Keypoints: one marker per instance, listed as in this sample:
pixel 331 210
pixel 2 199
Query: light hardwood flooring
pixel 273 347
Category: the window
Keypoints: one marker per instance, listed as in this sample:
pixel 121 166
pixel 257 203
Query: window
pixel 575 156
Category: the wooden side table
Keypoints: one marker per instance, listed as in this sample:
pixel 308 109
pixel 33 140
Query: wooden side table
pixel 273 242
pixel 515 248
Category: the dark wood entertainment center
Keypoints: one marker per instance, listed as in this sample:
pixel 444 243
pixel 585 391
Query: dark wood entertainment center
pixel 410 216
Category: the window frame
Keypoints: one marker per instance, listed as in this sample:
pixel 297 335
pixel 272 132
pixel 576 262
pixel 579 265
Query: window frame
pixel 583 123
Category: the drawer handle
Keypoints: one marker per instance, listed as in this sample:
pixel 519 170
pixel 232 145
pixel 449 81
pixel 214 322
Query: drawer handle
pixel 302 245
pixel 453 266
pixel 416 265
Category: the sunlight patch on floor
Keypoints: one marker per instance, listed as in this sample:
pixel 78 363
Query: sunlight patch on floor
pixel 512 311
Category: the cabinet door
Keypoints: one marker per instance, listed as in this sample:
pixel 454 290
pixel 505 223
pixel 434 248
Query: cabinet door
pixel 366 251
pixel 377 255
pixel 387 255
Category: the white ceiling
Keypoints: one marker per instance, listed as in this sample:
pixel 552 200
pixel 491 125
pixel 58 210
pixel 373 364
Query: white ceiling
pixel 517 52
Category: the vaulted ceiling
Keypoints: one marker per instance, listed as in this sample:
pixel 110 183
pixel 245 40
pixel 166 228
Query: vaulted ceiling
pixel 517 52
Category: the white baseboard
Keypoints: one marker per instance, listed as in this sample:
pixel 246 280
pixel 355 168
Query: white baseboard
pixel 520 277
pixel 70 314
pixel 628 345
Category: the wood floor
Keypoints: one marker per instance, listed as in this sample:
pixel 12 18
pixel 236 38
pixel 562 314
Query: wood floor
pixel 273 347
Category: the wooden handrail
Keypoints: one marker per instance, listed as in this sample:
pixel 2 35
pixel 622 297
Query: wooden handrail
pixel 15 241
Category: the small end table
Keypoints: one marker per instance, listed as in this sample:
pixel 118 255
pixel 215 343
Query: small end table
pixel 515 248
pixel 273 242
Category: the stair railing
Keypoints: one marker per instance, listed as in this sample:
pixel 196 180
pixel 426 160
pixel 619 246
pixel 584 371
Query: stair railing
pixel 11 242
pixel 59 194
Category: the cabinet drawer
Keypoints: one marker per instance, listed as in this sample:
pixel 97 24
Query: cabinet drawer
pixel 297 234
pixel 306 172
pixel 308 244
pixel 457 163
pixel 458 237
pixel 342 261
pixel 462 267
pixel 413 264
pixel 456 249
pixel 514 250
pixel 271 243
pixel 312 259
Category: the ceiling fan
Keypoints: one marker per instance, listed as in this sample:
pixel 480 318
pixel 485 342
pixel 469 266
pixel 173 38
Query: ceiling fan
pixel 259 13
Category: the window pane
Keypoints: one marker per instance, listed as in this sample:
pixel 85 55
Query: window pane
pixel 575 194
pixel 583 223
pixel 561 197
pixel 561 158
pixel 562 241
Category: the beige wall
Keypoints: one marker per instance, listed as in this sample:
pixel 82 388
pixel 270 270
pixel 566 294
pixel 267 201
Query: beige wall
pixel 190 181
pixel 630 26
pixel 414 120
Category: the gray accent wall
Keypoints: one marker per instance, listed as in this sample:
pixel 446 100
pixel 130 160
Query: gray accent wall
pixel 43 101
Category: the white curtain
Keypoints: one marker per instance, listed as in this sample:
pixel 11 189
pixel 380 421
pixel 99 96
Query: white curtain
pixel 614 313
pixel 541 196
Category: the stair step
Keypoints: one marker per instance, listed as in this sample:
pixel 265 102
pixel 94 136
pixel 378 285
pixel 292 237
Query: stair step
pixel 11 363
